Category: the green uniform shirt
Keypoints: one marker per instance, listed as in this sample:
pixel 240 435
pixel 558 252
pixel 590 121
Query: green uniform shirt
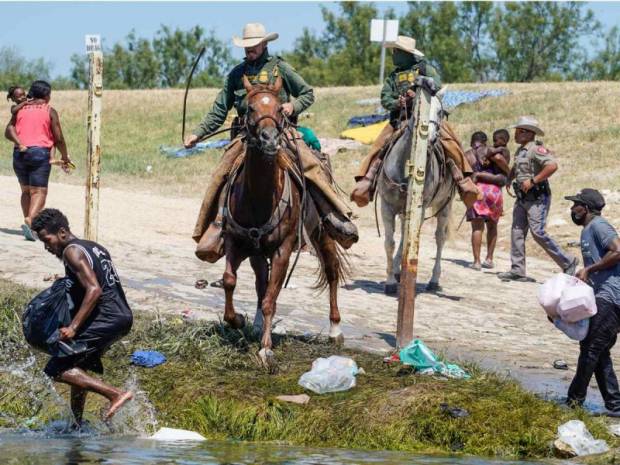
pixel 265 69
pixel 401 79
pixel 530 159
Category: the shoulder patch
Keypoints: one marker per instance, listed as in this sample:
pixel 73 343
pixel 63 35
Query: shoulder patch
pixel 543 151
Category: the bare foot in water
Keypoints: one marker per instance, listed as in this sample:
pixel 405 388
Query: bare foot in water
pixel 117 404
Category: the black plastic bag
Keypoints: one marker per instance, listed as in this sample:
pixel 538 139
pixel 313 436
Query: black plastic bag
pixel 45 315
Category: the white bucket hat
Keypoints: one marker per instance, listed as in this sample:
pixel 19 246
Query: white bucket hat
pixel 529 123
pixel 254 34
pixel 405 43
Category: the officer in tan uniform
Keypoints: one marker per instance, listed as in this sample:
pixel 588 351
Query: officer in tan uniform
pixel 262 68
pixel 534 165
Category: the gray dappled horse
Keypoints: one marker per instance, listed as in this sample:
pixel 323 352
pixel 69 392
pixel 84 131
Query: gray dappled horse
pixel 439 190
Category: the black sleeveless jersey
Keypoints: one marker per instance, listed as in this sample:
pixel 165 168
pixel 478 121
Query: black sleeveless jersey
pixel 112 303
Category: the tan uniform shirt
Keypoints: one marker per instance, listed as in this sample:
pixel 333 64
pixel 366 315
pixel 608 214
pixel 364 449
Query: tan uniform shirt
pixel 530 159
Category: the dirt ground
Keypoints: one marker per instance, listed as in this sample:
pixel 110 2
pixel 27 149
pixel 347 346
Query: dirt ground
pixel 475 317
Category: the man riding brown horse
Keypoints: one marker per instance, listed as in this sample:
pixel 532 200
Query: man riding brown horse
pixel 264 69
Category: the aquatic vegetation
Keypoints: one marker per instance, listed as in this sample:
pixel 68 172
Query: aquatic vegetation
pixel 213 383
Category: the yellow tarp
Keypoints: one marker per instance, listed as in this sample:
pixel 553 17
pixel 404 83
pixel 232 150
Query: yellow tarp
pixel 365 134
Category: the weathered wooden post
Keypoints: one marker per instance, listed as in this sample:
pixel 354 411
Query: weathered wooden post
pixel 93 131
pixel 414 216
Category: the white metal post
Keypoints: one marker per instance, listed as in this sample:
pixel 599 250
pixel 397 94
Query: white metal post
pixel 382 69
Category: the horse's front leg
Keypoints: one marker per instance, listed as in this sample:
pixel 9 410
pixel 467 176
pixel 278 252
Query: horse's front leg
pixel 398 260
pixel 389 223
pixel 233 260
pixel 441 233
pixel 261 272
pixel 279 266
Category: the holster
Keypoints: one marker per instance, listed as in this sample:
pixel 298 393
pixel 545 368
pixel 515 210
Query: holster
pixel 537 191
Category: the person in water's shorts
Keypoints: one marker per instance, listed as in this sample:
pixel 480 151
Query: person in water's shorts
pixel 101 314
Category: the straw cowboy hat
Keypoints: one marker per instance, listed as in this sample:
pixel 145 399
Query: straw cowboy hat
pixel 254 34
pixel 530 124
pixel 405 43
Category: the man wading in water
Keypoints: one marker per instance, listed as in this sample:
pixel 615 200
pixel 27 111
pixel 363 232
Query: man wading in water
pixel 101 314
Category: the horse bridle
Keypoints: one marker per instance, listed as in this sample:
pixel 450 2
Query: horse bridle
pixel 250 127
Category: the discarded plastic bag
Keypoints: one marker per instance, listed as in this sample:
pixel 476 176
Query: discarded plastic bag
pixel 577 302
pixel 576 435
pixel 332 374
pixel 550 291
pixel 171 434
pixel 418 355
pixel 576 331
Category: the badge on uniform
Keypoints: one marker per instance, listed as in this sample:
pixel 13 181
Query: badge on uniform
pixel 263 77
pixel 542 150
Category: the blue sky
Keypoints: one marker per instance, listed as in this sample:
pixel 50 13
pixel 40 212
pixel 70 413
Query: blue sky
pixel 55 30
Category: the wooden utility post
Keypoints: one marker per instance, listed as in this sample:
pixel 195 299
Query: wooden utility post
pixel 414 216
pixel 93 155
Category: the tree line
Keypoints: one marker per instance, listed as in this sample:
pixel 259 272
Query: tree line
pixel 466 41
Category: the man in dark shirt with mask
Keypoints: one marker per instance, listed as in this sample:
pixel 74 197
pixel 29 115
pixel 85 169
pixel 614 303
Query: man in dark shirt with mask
pixel 600 247
pixel 396 96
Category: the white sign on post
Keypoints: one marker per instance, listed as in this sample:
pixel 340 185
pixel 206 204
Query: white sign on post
pixel 93 43
pixel 383 30
pixel 376 30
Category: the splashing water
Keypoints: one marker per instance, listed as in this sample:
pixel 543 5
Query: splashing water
pixel 136 416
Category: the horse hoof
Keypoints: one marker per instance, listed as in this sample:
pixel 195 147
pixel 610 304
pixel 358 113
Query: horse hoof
pixel 268 359
pixel 238 322
pixel 390 289
pixel 337 340
pixel 397 277
pixel 433 287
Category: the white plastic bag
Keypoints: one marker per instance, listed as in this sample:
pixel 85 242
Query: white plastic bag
pixel 550 291
pixel 171 434
pixel 330 374
pixel 577 302
pixel 576 331
pixel 576 435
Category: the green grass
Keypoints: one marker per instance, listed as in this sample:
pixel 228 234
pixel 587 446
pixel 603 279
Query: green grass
pixel 214 384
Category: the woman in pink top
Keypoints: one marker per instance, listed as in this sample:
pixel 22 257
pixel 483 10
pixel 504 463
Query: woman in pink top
pixel 35 129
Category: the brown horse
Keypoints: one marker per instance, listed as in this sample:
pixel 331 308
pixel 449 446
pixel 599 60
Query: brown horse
pixel 263 215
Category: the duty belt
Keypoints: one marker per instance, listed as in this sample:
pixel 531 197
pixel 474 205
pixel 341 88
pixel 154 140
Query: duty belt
pixel 535 192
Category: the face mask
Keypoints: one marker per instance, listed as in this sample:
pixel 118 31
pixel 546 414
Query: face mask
pixel 578 220
pixel 402 59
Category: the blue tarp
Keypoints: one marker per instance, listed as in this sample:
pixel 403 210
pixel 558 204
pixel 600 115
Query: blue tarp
pixel 450 99
pixel 147 358
pixel 181 152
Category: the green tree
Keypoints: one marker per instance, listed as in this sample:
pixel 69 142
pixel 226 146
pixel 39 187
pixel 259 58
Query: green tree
pixel 474 22
pixel 606 65
pixel 176 49
pixel 17 70
pixel 539 40
pixel 437 30
pixel 132 65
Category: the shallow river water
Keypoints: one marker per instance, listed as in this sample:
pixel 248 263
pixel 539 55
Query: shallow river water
pixel 35 449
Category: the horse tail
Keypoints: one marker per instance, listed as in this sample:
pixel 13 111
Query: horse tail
pixel 332 259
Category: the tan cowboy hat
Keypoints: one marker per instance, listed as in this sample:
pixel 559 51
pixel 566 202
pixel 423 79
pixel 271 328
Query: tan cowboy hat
pixel 254 34
pixel 405 43
pixel 528 123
